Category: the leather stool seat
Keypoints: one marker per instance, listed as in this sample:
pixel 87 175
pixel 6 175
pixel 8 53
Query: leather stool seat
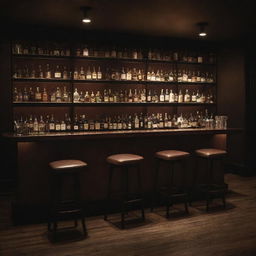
pixel 124 159
pixel 67 164
pixel 210 152
pixel 170 155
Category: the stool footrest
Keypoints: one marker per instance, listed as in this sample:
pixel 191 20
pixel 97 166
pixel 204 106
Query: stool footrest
pixel 133 201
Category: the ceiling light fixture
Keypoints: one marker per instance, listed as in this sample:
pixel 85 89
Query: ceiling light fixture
pixel 86 17
pixel 202 26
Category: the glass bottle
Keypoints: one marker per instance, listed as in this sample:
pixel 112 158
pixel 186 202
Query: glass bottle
pixel 45 95
pixel 57 73
pixel 76 96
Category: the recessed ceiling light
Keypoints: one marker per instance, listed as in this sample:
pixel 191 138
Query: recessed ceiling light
pixel 202 30
pixel 86 17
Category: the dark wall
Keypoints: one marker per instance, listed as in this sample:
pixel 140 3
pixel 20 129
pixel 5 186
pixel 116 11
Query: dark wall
pixel 231 101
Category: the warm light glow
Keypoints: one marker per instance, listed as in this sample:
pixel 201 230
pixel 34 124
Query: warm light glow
pixel 202 34
pixel 86 20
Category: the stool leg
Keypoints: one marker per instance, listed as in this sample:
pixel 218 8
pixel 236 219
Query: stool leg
pixel 155 192
pixel 141 193
pixel 108 192
pixel 169 190
pixel 125 194
pixel 184 189
pixel 195 180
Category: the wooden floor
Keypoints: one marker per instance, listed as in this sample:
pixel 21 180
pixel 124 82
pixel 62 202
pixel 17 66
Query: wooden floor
pixel 230 232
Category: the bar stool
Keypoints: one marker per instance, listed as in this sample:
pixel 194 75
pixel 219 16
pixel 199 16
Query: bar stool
pixel 170 192
pixel 70 208
pixel 211 190
pixel 124 163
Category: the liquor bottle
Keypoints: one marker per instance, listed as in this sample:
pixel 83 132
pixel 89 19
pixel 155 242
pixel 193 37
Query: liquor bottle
pixel 86 124
pixel 98 97
pixel 81 123
pixel 143 95
pixel 116 96
pixel 35 126
pixel 200 57
pixel 123 74
pixel 130 96
pixel 198 77
pixel 68 122
pixel 136 122
pixel 184 76
pixel 78 52
pixel 86 97
pixel 31 95
pixel 187 96
pixel 110 96
pixel 193 98
pixel 57 73
pixel 189 76
pixel 171 76
pixel 156 96
pixel 180 77
pixel 162 95
pixel 128 74
pixel 25 95
pixel 153 76
pixel 33 72
pixel 47 124
pixel 15 95
pixel 65 97
pixel 58 95
pixel 53 97
pixel 157 77
pixel 99 74
pixel 198 97
pixel 176 97
pixel 105 96
pixel 91 125
pixel 88 74
pixel 52 124
pixel 113 53
pixel 193 79
pixel 149 98
pixel 93 99
pixel 57 126
pixel 161 76
pixel 40 72
pixel 171 97
pixel 81 74
pixel 97 124
pixel 140 77
pixel 41 126
pixel 180 97
pixel 75 74
pixel 134 54
pixel 202 98
pixel 149 75
pixel 203 79
pixel 76 123
pixel 76 96
pixel 63 126
pixel 94 74
pixel 135 96
pixel 20 96
pixel 166 96
pixel 134 75
pixel 85 51
pixel 65 73
pixel 38 94
pixel 45 95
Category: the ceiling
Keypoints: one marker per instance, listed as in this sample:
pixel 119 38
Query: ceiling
pixel 228 19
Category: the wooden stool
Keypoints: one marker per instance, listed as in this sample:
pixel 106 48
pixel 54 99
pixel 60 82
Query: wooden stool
pixel 58 207
pixel 124 163
pixel 211 190
pixel 170 192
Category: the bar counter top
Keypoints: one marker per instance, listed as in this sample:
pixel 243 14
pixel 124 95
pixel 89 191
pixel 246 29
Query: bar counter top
pixel 116 134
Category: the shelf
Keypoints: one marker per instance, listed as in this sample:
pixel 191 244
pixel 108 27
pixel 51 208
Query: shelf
pixel 53 104
pixel 42 104
pixel 37 56
pixel 107 81
pixel 40 80
pixel 30 56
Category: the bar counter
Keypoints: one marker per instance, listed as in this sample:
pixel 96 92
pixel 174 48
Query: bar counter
pixel 116 134
pixel 35 152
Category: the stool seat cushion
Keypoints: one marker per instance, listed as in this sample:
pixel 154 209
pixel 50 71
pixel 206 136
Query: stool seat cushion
pixel 210 152
pixel 170 155
pixel 67 165
pixel 124 159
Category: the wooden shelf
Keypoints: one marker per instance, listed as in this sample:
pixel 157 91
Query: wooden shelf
pixel 144 60
pixel 54 104
pixel 108 81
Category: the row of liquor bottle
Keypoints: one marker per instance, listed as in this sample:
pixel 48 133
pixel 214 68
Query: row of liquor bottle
pixel 130 95
pixel 117 52
pixel 35 124
pixel 126 74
